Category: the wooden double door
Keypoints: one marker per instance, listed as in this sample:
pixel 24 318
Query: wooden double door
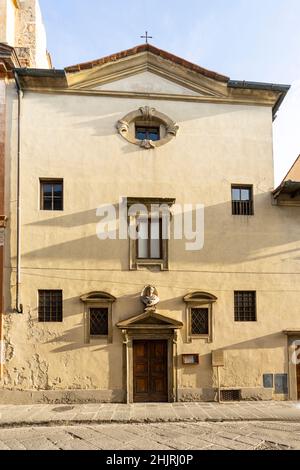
pixel 150 371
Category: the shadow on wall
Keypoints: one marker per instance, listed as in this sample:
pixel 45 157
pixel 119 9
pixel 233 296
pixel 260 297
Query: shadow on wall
pixel 204 377
pixel 228 239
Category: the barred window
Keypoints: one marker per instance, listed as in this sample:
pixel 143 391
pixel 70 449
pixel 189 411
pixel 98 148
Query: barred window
pixel 245 306
pixel 98 321
pixel 200 321
pixel 52 195
pixel 242 200
pixel 50 306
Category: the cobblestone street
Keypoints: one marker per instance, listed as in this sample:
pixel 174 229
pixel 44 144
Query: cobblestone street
pixel 159 436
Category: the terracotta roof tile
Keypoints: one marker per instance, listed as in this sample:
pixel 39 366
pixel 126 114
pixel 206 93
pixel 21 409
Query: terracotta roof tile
pixel 147 48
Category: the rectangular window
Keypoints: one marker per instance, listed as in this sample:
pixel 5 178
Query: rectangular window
pixel 147 133
pixel 245 306
pixel 51 195
pixel 149 242
pixel 50 306
pixel 98 321
pixel 199 321
pixel 242 200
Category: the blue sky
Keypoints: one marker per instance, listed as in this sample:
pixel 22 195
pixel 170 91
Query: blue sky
pixel 245 39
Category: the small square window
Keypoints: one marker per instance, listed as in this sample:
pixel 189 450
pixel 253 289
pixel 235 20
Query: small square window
pixel 245 306
pixel 242 200
pixel 50 306
pixel 51 195
pixel 147 133
pixel 98 321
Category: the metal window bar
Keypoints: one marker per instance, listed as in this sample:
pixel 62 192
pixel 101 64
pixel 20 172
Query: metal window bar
pixel 50 306
pixel 245 306
pixel 242 207
pixel 200 321
pixel 98 321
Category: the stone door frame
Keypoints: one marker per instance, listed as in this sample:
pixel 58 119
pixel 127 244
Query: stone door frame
pixel 171 337
pixel 292 336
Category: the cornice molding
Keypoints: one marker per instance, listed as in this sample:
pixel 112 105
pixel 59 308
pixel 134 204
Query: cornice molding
pixel 232 99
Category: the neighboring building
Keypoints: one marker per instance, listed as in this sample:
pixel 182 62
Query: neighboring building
pixel 148 126
pixel 8 60
pixel 22 27
pixel 22 44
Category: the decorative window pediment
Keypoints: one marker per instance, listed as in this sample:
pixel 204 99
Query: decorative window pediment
pixel 147 128
pixel 97 297
pixel 200 297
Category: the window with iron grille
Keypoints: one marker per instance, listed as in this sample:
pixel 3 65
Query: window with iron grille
pixel 245 306
pixel 242 200
pixel 98 321
pixel 50 306
pixel 51 195
pixel 199 321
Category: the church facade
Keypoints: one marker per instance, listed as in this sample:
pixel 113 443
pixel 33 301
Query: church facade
pixel 150 259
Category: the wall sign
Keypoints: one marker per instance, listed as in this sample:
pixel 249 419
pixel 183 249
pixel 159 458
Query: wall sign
pixel 190 359
pixel 218 358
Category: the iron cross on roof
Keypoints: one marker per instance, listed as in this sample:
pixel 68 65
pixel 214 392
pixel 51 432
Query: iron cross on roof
pixel 147 37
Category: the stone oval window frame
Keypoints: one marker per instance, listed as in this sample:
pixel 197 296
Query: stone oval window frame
pixel 150 116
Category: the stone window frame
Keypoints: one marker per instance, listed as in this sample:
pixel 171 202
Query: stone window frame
pixel 147 116
pixel 98 299
pixel 199 300
pixel 134 262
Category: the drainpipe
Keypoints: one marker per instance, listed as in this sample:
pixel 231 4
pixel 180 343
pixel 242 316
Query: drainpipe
pixel 2 216
pixel 19 306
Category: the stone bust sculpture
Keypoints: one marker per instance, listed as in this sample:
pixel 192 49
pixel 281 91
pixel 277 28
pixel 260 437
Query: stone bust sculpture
pixel 149 296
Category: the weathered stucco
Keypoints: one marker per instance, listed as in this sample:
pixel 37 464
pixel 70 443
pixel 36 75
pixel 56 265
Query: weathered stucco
pixel 74 137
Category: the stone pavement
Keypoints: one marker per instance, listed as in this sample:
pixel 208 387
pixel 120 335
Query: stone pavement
pixel 155 436
pixel 30 415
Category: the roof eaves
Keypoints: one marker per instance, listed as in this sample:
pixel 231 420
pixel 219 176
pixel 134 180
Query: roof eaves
pixel 147 48
pixel 276 87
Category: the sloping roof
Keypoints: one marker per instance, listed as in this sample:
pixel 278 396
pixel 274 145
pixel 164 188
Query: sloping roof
pixel 186 73
pixel 154 50
pixel 291 182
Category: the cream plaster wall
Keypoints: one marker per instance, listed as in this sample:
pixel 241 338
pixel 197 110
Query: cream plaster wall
pixel 74 137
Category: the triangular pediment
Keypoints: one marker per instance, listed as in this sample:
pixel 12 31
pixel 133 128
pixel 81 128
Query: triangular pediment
pixel 147 82
pixel 150 319
pixel 146 71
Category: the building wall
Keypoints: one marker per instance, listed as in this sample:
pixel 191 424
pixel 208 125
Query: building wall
pixel 74 137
